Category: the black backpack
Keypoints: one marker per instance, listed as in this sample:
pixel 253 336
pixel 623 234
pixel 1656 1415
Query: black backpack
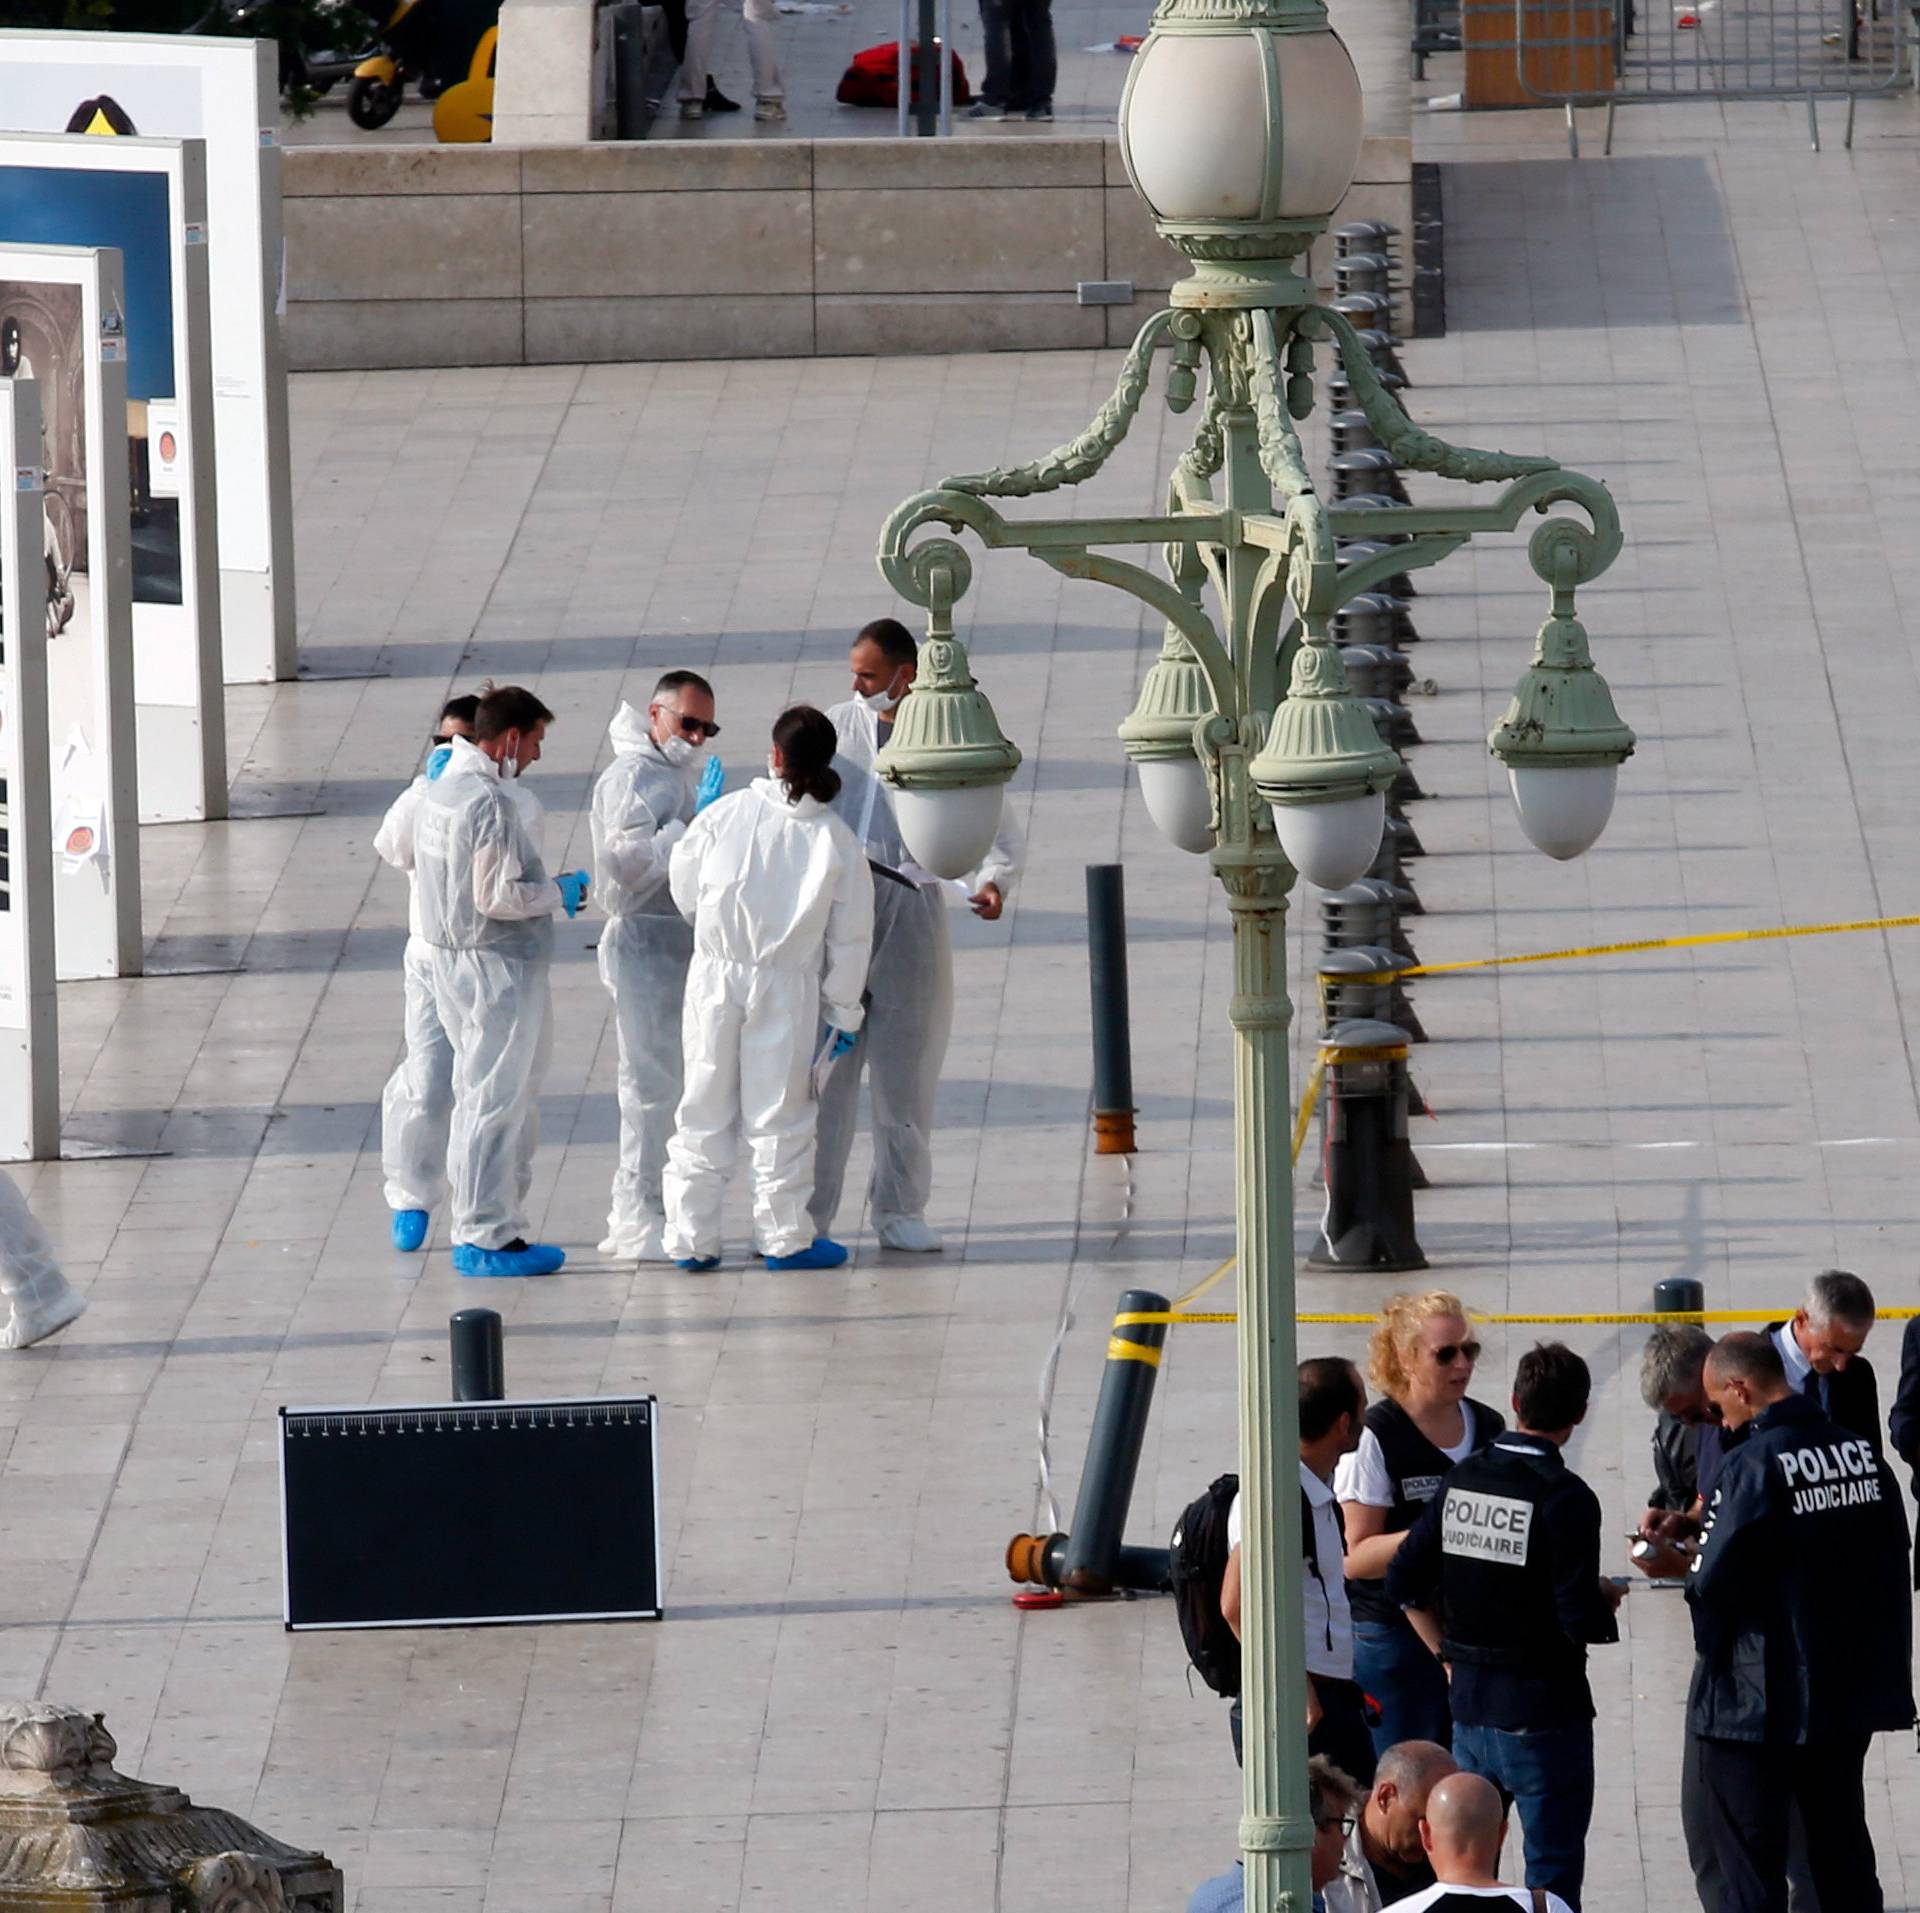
pixel 1196 1565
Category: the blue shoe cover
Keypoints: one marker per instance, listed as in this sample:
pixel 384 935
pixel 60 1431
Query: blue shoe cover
pixel 697 1264
pixel 538 1258
pixel 409 1229
pixel 819 1254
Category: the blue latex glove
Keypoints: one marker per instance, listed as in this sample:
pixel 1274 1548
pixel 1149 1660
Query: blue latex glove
pixel 712 781
pixel 438 760
pixel 573 889
pixel 843 1042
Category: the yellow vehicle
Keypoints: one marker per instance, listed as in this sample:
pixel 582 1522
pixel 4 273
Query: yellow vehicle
pixel 463 114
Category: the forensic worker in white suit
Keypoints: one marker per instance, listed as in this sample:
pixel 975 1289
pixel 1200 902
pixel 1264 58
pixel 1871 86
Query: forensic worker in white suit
pixel 782 907
pixel 910 981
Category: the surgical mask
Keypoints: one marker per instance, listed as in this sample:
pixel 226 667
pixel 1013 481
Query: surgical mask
pixel 881 702
pixel 682 751
pixel 510 765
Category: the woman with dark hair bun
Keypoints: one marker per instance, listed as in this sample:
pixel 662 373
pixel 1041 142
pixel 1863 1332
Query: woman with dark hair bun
pixel 781 902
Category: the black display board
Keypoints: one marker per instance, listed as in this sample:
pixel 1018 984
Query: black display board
pixel 458 1514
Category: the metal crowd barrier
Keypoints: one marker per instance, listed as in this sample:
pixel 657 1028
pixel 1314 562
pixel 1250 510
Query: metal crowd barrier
pixel 1615 53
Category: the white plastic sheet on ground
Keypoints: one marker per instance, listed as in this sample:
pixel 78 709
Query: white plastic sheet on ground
pixel 34 1297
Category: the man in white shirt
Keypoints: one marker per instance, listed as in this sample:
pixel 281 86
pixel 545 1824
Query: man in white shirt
pixel 1820 1349
pixel 1463 1830
pixel 1333 1407
pixel 903 1042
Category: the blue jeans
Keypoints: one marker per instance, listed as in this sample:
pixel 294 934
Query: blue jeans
pixel 1393 1664
pixel 1548 1773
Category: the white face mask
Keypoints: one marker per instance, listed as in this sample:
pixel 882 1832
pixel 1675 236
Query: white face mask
pixel 509 766
pixel 682 751
pixel 881 702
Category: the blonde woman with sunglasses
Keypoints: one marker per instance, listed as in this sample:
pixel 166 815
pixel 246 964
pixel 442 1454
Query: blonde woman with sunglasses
pixel 1421 1359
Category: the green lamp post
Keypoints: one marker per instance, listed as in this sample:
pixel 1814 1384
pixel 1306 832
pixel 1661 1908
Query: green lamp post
pixel 1241 129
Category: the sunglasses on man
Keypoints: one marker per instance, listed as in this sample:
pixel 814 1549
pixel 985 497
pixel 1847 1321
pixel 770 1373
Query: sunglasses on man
pixel 695 728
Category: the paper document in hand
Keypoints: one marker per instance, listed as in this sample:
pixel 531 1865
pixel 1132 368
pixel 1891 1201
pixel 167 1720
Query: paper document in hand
pixel 824 1064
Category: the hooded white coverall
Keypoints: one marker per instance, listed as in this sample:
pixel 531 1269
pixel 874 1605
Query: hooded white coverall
pixel 642 806
pixel 909 992
pixel 773 886
pixel 34 1296
pixel 486 916
pixel 417 1104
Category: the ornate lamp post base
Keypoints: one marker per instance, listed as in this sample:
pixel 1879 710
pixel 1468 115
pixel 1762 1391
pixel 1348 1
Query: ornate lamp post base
pixel 76 1834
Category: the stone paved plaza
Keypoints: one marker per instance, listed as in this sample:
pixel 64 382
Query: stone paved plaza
pixel 842 1711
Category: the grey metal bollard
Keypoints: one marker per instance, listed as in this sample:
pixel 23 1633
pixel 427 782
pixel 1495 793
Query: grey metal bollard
pixel 1362 981
pixel 1371 617
pixel 1113 1447
pixel 1366 912
pixel 1360 551
pixel 479 1355
pixel 1042 1558
pixel 1389 868
pixel 1364 235
pixel 1113 1106
pixel 1348 431
pixel 1679 1295
pixel 1365 1153
pixel 1370 472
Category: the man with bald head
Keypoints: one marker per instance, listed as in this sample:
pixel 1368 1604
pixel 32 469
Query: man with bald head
pixel 1463 1830
pixel 1802 1624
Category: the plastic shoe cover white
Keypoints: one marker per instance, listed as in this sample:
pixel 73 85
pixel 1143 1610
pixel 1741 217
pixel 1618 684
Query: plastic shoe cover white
pixel 35 1301
pixel 912 1234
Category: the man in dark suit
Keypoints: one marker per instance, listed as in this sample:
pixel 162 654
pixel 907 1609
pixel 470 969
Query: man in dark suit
pixel 1820 1350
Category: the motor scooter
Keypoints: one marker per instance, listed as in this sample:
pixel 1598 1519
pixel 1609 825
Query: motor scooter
pixel 380 77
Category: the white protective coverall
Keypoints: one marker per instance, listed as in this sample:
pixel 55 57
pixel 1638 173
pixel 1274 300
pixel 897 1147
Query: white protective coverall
pixel 486 916
pixel 773 886
pixel 909 993
pixel 642 806
pixel 34 1297
pixel 417 1104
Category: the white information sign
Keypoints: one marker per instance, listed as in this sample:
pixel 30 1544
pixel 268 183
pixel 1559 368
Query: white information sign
pixel 144 198
pixel 29 1007
pixel 63 324
pixel 226 93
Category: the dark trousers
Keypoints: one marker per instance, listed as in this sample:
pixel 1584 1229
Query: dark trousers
pixel 997 51
pixel 1749 1789
pixel 1547 1772
pixel 1696 1823
pixel 1034 62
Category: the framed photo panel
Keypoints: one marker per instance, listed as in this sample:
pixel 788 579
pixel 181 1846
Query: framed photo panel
pixel 147 199
pixel 29 1010
pixel 63 325
pixel 226 94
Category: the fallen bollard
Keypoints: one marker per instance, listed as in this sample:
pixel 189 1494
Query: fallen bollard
pixel 1090 1562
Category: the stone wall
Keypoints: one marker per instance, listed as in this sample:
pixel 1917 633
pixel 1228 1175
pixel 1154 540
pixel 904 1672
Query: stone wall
pixel 484 255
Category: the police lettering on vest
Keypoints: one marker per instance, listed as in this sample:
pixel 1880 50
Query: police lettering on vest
pixel 1486 1526
pixel 1835 1475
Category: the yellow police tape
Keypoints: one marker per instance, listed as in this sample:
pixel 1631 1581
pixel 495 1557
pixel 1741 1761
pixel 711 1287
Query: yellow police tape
pixel 1617 1318
pixel 1698 941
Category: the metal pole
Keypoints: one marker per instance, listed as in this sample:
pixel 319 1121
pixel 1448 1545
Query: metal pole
pixel 1113 1447
pixel 946 73
pixel 903 67
pixel 1113 1107
pixel 927 105
pixel 479 1356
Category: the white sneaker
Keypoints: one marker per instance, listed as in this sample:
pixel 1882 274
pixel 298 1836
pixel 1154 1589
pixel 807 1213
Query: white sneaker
pixel 769 109
pixel 910 1234
pixel 693 109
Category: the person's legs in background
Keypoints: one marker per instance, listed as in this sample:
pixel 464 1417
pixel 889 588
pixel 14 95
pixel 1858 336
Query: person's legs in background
pixel 1548 1773
pixel 769 91
pixel 1394 1666
pixel 1747 1788
pixel 1035 60
pixel 1829 1788
pixel 702 18
pixel 702 1153
pixel 777 1110
pixel 1342 1734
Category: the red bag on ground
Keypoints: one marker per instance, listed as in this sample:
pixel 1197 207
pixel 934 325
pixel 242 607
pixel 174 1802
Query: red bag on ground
pixel 874 79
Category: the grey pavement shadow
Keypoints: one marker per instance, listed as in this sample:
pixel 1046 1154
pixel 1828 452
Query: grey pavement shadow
pixel 1683 268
